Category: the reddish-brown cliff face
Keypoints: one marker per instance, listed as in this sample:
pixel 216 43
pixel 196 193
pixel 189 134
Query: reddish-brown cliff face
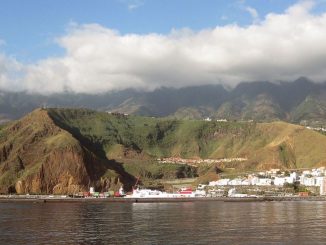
pixel 37 156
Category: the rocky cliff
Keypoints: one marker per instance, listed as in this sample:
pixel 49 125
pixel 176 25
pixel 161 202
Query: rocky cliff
pixel 37 156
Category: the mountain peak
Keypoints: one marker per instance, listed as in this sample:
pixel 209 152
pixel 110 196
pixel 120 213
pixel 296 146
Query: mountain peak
pixel 208 100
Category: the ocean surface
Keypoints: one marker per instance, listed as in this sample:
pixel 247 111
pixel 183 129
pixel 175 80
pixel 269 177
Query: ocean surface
pixel 301 222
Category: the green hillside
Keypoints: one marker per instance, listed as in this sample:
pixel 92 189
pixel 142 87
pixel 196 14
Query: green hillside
pixel 152 137
pixel 134 137
pixel 312 109
pixel 69 150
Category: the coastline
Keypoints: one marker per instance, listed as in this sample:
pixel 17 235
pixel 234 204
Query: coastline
pixel 44 199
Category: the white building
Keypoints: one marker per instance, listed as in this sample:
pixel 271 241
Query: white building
pixel 318 172
pixel 275 170
pixel 323 187
pixel 264 182
pixel 235 182
pixel 294 175
pixel 280 181
pixel 246 182
pixel 219 182
pixel 308 181
pixel 319 180
pixel 254 180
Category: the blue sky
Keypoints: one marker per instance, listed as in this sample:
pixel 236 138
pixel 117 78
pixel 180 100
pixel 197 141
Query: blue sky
pixel 94 46
pixel 29 28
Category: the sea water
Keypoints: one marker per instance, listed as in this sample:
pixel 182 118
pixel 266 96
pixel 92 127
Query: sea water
pixel 297 222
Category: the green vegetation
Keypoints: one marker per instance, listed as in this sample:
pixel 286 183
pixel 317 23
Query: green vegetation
pixel 60 140
pixel 312 108
pixel 287 156
pixel 162 137
pixel 11 172
pixel 120 135
pixel 108 149
pixel 136 138
pixel 153 170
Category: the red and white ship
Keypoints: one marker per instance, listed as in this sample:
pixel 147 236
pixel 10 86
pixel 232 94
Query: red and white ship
pixel 182 193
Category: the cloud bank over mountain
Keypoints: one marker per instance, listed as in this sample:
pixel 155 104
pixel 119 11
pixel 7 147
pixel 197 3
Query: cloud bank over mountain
pixel 97 59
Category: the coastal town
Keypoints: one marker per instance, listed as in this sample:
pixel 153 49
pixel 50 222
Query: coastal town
pixel 271 183
pixel 274 182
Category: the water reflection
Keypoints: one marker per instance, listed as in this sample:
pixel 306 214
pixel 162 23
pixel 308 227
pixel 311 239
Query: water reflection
pixel 163 223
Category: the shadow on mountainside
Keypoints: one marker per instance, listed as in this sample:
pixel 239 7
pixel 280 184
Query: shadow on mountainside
pixel 97 171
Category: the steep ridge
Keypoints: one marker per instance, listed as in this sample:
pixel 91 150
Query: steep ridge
pixel 37 156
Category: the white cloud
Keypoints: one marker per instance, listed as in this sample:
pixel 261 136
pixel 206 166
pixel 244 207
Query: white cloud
pixel 241 4
pixel 253 12
pixel 11 73
pixel 132 4
pixel 279 47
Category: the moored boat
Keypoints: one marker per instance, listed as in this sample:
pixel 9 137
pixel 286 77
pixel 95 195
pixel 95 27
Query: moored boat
pixel 148 193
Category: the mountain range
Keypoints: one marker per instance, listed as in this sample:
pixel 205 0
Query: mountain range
pixel 299 101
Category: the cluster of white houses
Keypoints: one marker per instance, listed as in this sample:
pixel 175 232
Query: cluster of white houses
pixel 317 129
pixel 179 160
pixel 314 177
